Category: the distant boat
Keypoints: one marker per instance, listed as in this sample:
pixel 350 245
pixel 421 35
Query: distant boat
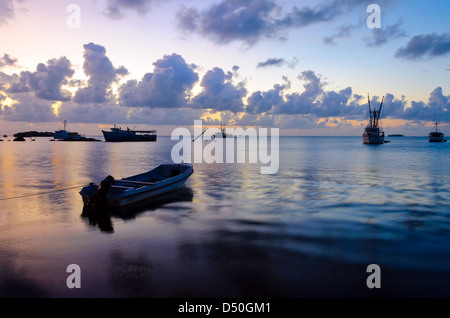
pixel 436 135
pixel 396 135
pixel 5 136
pixel 222 133
pixel 123 192
pixel 373 134
pixel 117 134
pixel 64 134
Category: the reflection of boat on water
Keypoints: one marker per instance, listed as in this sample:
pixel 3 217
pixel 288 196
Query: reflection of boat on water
pixel 122 192
pixel 373 133
pixel 117 134
pixel 101 216
pixel 436 135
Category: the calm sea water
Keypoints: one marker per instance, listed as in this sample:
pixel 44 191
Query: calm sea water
pixel 311 230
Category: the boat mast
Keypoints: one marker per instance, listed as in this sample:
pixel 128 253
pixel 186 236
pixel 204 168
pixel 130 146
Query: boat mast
pixel 370 112
pixel 378 113
pixel 375 115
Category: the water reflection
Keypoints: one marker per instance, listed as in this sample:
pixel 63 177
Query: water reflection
pixel 14 283
pixel 310 230
pixel 101 217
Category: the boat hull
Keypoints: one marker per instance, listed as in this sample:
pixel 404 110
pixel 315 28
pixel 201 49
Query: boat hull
pixel 373 138
pixel 142 191
pixel 122 136
pixel 120 202
pixel 436 137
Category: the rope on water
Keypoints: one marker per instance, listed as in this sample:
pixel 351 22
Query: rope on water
pixel 40 193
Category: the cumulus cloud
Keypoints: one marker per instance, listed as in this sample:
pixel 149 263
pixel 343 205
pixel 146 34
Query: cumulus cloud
pixel 261 102
pixel 153 99
pixel 19 84
pixel 316 102
pixel 425 45
pixel 219 93
pixel 437 108
pixel 116 9
pixel 46 81
pixel 249 21
pixel 168 86
pixel 29 109
pixel 301 103
pixel 101 74
pixel 7 60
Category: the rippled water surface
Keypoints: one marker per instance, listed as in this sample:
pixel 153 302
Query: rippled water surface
pixel 311 230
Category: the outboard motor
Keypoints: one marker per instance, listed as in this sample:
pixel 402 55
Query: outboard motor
pixel 103 189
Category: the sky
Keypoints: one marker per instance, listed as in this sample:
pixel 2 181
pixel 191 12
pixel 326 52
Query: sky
pixel 305 67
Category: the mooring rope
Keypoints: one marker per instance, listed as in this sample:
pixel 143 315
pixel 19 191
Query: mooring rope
pixel 40 193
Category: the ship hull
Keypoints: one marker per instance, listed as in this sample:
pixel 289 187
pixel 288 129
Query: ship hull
pixel 373 138
pixel 436 137
pixel 113 137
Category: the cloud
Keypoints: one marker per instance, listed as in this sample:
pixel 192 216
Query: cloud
pixel 437 108
pixel 19 84
pixel 229 20
pixel 386 33
pixel 271 62
pixel 6 10
pixel 164 116
pixel 261 102
pixel 93 113
pixel 219 93
pixel 277 62
pixel 249 21
pixel 46 81
pixel 29 109
pixel 316 102
pixel 168 86
pixel 7 60
pixel 305 102
pixel 101 74
pixel 116 8
pixel 425 45
pixel 344 32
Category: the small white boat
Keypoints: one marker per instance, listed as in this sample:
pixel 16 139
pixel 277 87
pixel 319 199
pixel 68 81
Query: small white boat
pixel 62 134
pixel 118 193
